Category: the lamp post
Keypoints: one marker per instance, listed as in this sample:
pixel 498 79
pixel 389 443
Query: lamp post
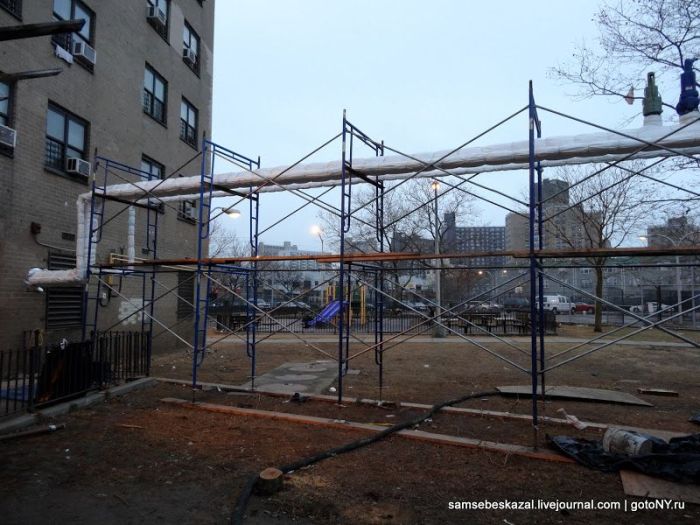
pixel 675 243
pixel 438 331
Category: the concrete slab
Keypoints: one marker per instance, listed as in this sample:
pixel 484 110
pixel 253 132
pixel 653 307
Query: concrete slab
pixel 575 392
pixel 311 378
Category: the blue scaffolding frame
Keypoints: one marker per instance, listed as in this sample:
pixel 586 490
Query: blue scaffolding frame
pixel 348 268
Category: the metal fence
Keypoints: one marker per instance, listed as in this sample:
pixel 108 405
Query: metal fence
pixel 39 375
pixel 500 323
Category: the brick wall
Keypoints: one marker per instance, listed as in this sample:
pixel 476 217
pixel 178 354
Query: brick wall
pixel 110 99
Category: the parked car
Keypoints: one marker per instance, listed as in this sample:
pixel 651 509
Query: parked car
pixel 584 308
pixel 559 304
pixel 263 304
pixel 516 303
pixel 650 308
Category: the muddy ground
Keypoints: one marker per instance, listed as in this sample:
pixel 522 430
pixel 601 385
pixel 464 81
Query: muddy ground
pixel 135 459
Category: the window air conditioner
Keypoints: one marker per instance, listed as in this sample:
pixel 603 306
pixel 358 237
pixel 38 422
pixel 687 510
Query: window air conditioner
pixel 189 56
pixel 157 15
pixel 8 137
pixel 84 52
pixel 78 166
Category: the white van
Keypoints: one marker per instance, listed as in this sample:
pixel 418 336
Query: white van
pixel 559 304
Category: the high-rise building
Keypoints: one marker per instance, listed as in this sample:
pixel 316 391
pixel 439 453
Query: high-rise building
pixel 563 227
pixel 135 87
pixel 474 239
pixel 677 231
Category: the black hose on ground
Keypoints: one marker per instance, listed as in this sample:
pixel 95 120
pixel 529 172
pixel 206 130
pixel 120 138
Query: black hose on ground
pixel 238 515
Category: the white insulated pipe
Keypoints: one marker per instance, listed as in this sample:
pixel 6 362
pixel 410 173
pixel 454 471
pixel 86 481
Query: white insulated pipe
pixel 131 240
pixel 574 149
pixel 553 151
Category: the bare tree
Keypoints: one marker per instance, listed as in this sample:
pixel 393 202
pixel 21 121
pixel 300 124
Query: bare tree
pixel 283 275
pixel 410 225
pixel 607 209
pixel 225 243
pixel 635 37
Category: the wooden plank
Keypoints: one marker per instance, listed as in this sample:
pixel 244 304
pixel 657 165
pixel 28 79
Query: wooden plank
pixel 637 484
pixel 576 392
pixel 657 392
pixel 478 412
pixel 416 435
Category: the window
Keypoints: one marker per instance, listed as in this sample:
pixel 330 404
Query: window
pixel 13 6
pixel 190 43
pixel 161 19
pixel 151 168
pixel 188 123
pixel 4 104
pixel 188 211
pixel 66 137
pixel 155 90
pixel 72 10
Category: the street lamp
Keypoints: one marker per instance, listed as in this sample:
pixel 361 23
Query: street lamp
pixel 232 212
pixel 316 230
pixel 438 331
pixel 675 243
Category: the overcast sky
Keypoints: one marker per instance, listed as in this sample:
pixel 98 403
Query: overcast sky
pixel 421 76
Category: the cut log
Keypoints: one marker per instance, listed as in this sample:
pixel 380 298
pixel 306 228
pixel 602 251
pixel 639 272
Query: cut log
pixel 269 481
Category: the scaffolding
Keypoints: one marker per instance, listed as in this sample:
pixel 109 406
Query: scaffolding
pixel 351 264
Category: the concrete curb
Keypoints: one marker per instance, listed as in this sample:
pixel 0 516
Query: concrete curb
pixel 27 420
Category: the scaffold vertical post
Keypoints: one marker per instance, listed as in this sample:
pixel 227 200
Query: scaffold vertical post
pixel 540 279
pixel 252 283
pixel 534 321
pixel 201 295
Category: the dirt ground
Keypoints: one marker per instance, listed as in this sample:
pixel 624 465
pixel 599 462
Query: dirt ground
pixel 431 371
pixel 135 459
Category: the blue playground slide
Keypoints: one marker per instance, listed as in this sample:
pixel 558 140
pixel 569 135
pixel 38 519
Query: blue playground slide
pixel 329 312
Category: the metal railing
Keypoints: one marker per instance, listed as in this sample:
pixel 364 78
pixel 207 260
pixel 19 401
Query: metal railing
pixel 39 375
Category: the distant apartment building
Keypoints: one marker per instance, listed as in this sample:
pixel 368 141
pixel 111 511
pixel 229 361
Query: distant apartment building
pixel 474 239
pixel 136 87
pixel 562 229
pixel 676 231
pixel 311 272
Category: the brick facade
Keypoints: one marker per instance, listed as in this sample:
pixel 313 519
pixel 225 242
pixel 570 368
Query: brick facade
pixel 110 99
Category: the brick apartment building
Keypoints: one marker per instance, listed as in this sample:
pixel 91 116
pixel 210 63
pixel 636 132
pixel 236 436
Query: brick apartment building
pixel 136 88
